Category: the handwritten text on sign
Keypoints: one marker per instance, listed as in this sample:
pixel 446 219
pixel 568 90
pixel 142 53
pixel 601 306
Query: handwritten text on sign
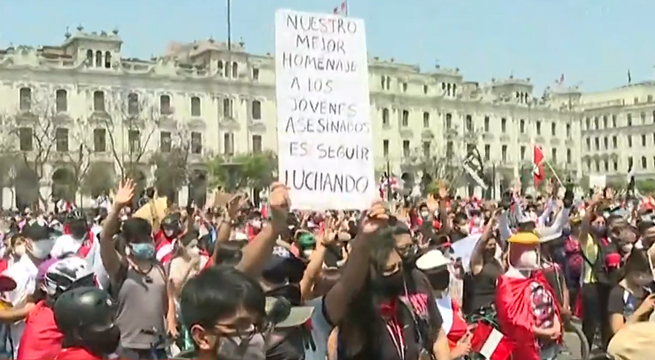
pixel 324 128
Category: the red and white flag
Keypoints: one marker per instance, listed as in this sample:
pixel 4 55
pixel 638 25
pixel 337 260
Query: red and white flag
pixel 491 343
pixel 341 9
pixel 538 162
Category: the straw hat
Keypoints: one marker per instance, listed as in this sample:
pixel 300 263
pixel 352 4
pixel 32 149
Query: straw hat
pixel 524 238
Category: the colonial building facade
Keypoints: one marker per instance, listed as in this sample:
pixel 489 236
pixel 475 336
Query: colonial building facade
pixel 85 100
pixel 618 129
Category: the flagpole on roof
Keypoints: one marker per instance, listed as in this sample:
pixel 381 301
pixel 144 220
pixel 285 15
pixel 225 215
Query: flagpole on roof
pixel 229 24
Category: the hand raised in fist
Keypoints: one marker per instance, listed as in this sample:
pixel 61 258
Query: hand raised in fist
pixel 375 218
pixel 279 202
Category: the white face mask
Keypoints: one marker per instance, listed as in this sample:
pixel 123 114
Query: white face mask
pixel 529 260
pixel 19 250
pixel 256 224
pixel 193 251
pixel 41 249
pixel 425 214
pixel 169 233
pixel 307 253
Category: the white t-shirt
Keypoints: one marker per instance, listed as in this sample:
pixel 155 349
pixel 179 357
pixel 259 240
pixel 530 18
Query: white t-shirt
pixel 66 244
pixel 23 272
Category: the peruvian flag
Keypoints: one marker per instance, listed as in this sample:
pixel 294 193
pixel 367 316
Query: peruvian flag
pixel 491 343
pixel 341 9
pixel 538 162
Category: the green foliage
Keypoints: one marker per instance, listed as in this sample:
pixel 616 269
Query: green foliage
pixel 646 186
pixel 171 171
pixel 617 183
pixel 98 179
pixel 243 171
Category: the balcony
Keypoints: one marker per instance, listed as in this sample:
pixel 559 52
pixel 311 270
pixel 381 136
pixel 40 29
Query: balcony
pixel 257 126
pixel 406 133
pixel 427 134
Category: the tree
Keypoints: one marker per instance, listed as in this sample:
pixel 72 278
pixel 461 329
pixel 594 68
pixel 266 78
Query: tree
pixel 130 120
pixel 243 170
pixel 646 186
pixel 97 180
pixel 34 127
pixel 171 163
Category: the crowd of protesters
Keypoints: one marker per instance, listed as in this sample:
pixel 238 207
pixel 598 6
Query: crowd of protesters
pixel 439 277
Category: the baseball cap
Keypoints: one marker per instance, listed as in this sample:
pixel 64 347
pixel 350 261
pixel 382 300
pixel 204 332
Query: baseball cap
pixel 284 315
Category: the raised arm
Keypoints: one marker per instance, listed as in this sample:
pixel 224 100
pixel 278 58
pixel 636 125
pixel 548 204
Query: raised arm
pixel 355 271
pixel 257 252
pixel 110 258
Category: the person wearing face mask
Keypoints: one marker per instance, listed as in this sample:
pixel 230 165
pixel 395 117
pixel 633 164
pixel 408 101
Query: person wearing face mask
pixel 85 316
pixel 38 243
pixel 188 260
pixel 281 276
pixel 138 281
pixel 480 284
pixel 435 266
pixel 461 227
pixel 526 304
pixel 42 338
pixel 171 228
pixel 631 301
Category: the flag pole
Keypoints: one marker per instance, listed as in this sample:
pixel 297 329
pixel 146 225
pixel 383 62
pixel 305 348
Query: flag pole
pixel 554 173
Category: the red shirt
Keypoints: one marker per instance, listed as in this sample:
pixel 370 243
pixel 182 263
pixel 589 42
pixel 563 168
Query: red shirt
pixel 75 353
pixel 41 337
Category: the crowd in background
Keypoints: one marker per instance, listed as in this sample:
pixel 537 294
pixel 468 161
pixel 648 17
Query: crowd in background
pixel 421 278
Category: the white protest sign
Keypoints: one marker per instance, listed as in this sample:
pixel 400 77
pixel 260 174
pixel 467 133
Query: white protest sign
pixel 325 143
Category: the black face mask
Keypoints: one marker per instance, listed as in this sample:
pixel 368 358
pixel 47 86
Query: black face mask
pixel 291 292
pixel 102 343
pixel 439 280
pixel 409 256
pixel 390 286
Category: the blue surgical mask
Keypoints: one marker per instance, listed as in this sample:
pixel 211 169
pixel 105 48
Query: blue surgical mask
pixel 143 250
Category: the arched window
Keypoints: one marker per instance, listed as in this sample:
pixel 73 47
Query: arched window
pixel 227 70
pixel 61 100
pixel 235 70
pixel 385 116
pixel 219 65
pixel 107 60
pixel 98 58
pixel 89 57
pixel 256 110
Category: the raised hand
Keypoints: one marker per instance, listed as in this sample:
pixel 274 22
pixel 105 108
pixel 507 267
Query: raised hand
pixel 279 201
pixel 125 192
pixel 376 217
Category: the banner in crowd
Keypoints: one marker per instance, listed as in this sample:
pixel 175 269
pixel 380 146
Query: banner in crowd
pixel 325 143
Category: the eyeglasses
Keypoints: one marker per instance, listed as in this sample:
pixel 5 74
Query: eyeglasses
pixel 244 333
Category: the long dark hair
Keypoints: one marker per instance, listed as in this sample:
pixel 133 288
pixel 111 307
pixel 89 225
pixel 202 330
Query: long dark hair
pixel 364 311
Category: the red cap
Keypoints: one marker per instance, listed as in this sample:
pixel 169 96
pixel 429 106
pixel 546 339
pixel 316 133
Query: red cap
pixel 613 260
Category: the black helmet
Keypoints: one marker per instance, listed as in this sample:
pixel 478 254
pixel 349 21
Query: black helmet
pixel 84 307
pixel 85 316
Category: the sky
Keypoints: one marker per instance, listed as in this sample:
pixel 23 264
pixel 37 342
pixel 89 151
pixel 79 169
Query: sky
pixel 594 43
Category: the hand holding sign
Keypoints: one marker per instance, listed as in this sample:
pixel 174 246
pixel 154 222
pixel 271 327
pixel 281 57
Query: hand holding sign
pixel 280 203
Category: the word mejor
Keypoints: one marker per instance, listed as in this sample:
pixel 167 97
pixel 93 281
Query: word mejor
pixel 325 182
pixel 319 34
